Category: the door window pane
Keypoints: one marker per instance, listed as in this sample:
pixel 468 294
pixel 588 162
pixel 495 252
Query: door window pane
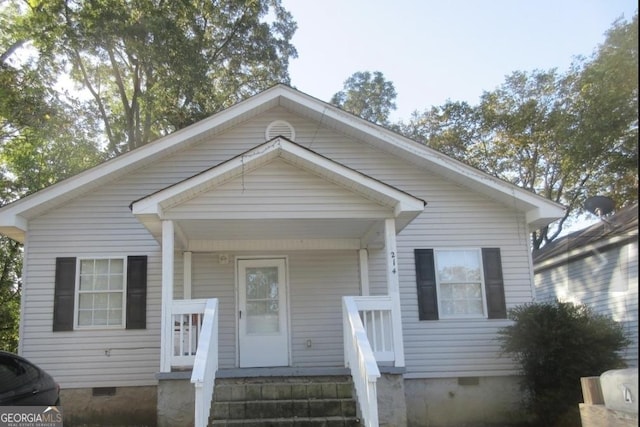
pixel 263 311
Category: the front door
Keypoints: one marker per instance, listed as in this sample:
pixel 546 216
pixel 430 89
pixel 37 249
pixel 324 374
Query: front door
pixel 263 320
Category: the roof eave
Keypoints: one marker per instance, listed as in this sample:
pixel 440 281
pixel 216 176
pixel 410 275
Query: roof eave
pixel 539 211
pixel 542 216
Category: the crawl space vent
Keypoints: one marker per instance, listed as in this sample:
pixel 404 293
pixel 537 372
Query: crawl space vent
pixel 280 128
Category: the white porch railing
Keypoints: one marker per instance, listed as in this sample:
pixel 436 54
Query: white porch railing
pixel 360 360
pixel 205 366
pixel 186 319
pixel 376 313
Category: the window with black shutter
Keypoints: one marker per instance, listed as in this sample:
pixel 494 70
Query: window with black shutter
pixel 90 293
pixel 493 283
pixel 426 281
pixel 136 292
pixel 64 294
pixel 459 283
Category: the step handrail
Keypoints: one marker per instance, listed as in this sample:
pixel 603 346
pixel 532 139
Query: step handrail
pixel 359 358
pixel 205 366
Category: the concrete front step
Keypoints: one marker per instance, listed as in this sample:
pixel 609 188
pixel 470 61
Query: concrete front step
pixel 284 401
pixel 284 409
pixel 295 422
pixel 274 388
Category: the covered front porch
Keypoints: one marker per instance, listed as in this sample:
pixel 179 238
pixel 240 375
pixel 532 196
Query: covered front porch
pixel 266 262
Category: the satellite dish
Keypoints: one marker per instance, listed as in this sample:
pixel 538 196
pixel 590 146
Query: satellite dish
pixel 599 205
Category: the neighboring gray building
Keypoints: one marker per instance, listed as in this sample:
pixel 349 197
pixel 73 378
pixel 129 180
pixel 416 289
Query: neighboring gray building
pixel 596 266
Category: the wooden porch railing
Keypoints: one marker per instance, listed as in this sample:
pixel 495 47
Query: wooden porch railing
pixel 203 376
pixel 186 318
pixel 382 325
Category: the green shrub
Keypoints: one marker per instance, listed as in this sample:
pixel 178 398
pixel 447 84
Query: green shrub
pixel 555 345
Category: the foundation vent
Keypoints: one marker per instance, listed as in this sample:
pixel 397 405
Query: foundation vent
pixel 280 128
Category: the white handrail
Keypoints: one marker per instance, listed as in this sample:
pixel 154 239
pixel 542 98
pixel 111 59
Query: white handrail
pixel 203 376
pixel 360 360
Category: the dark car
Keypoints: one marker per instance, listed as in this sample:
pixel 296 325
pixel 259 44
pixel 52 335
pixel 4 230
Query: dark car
pixel 24 384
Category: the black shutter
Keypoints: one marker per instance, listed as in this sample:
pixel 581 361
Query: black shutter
pixel 64 294
pixel 493 283
pixel 426 281
pixel 136 292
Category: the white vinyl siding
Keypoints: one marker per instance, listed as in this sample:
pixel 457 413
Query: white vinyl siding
pixel 317 282
pixel 606 281
pixel 100 223
pixel 278 190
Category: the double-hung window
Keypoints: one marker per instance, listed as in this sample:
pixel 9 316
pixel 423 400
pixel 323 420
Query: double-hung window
pixel 460 283
pixel 100 293
pixel 101 296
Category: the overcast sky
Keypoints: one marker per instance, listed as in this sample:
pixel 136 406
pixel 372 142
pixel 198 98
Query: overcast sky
pixel 434 50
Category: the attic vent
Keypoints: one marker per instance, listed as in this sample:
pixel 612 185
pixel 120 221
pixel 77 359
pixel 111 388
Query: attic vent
pixel 280 128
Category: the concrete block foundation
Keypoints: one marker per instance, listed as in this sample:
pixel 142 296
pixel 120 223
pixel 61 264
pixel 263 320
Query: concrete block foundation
pixel 115 406
pixel 392 409
pixel 176 400
pixel 459 402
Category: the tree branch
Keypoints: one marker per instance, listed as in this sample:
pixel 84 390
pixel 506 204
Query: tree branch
pixel 96 96
pixel 7 53
pixel 123 98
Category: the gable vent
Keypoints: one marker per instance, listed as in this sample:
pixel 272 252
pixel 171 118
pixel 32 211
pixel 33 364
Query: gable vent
pixel 280 128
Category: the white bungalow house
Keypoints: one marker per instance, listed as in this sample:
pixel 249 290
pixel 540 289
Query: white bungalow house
pixel 282 236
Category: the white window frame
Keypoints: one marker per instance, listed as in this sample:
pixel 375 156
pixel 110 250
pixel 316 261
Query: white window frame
pixel 439 292
pixel 76 306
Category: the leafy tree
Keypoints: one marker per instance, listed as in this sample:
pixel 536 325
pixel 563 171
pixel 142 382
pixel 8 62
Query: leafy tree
pixel 154 66
pixel 41 142
pixel 147 67
pixel 565 136
pixel 452 128
pixel 555 344
pixel 529 140
pixel 607 107
pixel 369 96
pixel 10 271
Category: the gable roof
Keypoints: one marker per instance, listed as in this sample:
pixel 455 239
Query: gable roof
pixel 538 210
pixel 617 229
pixel 154 207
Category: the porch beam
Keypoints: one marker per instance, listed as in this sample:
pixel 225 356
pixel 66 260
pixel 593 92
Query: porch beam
pixel 393 288
pixel 277 245
pixel 180 237
pixel 364 272
pixel 166 336
pixel 371 239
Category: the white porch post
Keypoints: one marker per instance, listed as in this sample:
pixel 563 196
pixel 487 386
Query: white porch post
pixel 364 272
pixel 393 288
pixel 166 334
pixel 186 282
